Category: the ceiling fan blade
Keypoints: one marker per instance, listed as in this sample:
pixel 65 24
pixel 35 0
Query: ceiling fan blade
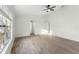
pixel 53 6
pixel 52 9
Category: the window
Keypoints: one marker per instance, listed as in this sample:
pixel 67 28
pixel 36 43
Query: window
pixel 5 31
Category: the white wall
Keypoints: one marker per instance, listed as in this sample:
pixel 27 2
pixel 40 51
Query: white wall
pixel 23 25
pixel 65 22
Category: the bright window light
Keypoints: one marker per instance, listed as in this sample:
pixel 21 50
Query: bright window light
pixel 45 32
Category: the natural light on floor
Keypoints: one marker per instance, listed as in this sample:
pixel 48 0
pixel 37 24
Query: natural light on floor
pixel 45 32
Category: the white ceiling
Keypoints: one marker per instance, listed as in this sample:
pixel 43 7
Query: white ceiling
pixel 29 9
pixel 25 10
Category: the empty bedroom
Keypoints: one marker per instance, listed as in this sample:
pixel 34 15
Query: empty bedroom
pixel 39 29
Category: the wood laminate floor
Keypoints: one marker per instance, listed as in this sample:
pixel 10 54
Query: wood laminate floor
pixel 44 44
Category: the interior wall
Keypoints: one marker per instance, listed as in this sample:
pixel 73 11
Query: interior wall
pixel 23 25
pixel 65 22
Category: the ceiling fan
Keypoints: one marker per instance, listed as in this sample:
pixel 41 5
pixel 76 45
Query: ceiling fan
pixel 49 8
